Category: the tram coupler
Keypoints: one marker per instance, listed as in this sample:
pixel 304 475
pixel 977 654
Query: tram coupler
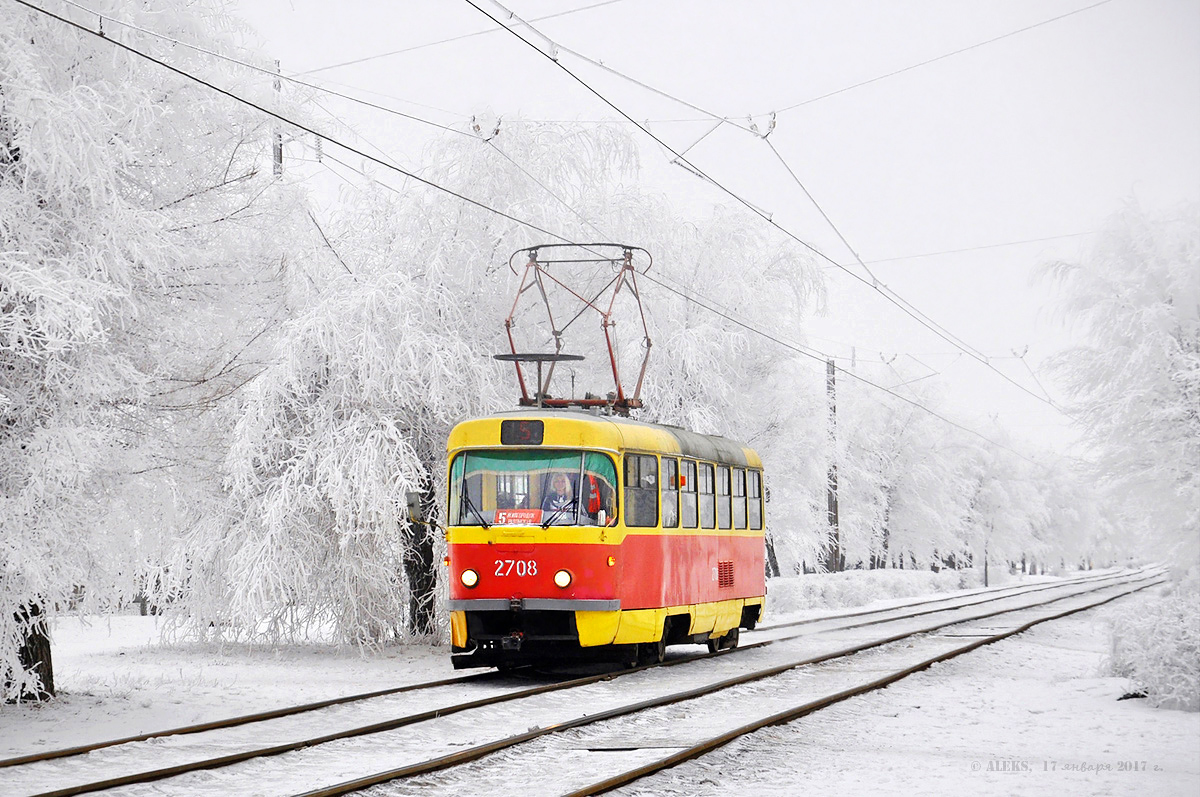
pixel 512 641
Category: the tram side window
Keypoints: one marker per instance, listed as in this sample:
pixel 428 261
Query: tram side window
pixel 754 498
pixel 739 498
pixel 670 493
pixel 641 490
pixel 687 494
pixel 708 513
pixel 723 508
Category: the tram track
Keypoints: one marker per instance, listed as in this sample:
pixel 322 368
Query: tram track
pixel 809 707
pixel 988 595
pixel 478 752
pixel 244 719
pixel 483 750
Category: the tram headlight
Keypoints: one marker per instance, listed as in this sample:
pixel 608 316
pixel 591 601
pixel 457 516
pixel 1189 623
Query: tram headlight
pixel 469 578
pixel 562 579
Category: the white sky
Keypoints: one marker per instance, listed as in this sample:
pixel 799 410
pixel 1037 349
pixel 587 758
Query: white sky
pixel 1043 133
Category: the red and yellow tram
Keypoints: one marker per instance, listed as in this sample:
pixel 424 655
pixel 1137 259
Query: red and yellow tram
pixel 573 535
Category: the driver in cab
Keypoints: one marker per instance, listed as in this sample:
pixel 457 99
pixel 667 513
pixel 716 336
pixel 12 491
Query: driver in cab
pixel 559 504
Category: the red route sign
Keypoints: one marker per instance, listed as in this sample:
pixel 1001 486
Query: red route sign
pixel 518 517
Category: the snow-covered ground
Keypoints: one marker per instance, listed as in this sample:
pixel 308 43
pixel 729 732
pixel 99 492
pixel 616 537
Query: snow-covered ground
pixel 1031 715
pixel 1028 712
pixel 116 679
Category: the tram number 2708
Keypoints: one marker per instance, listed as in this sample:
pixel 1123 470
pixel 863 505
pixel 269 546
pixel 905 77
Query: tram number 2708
pixel 520 567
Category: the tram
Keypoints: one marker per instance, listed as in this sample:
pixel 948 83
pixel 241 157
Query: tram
pixel 575 535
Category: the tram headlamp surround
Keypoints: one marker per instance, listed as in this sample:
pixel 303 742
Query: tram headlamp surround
pixel 469 578
pixel 562 579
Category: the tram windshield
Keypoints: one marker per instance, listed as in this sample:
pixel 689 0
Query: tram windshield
pixel 532 488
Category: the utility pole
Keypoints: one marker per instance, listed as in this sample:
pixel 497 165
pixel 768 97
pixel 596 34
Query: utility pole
pixel 833 561
pixel 277 137
pixel 985 556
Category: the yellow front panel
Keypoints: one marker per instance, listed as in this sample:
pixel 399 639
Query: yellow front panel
pixel 597 628
pixel 533 535
pixel 458 629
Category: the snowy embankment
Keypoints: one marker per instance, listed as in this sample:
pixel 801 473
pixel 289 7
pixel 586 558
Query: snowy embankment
pixel 789 595
pixel 1156 645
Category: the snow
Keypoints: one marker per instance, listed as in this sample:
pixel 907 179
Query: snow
pixel 791 594
pixel 1037 703
pixel 116 678
pixel 1031 715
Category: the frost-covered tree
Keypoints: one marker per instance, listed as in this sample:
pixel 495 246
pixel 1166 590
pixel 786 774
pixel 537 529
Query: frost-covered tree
pixel 347 422
pixel 132 204
pixel 1003 501
pixel 1135 381
pixel 900 481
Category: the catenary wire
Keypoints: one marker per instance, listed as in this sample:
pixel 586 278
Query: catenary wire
pixel 452 39
pixel 815 354
pixel 884 290
pixel 282 118
pixel 408 174
pixel 265 70
pixel 942 57
pixel 809 352
pixel 905 306
pixel 980 248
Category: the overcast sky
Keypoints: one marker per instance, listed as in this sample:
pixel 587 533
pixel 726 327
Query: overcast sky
pixel 1040 134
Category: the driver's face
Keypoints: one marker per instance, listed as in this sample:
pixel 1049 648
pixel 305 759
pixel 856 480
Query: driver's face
pixel 561 485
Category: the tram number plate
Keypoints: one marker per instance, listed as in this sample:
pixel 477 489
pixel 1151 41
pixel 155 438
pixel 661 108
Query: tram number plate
pixel 516 567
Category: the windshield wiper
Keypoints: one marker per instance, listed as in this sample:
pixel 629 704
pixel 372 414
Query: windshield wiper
pixel 471 506
pixel 546 523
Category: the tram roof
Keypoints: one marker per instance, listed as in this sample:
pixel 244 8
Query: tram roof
pixel 582 429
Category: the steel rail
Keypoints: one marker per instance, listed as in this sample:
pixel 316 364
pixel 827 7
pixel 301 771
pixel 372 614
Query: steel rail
pixel 412 719
pixel 1017 589
pixel 233 722
pixel 784 717
pixel 990 599
pixel 474 753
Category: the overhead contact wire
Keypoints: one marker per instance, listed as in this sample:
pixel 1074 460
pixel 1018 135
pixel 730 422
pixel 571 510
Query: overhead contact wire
pixel 804 350
pixel 891 296
pixel 300 126
pixel 292 123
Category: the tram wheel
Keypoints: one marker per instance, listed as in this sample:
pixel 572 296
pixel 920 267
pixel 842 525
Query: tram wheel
pixel 728 641
pixel 652 652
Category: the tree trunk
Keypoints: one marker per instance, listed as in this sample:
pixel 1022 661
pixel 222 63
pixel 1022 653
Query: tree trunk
pixel 418 564
pixel 772 562
pixel 34 654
